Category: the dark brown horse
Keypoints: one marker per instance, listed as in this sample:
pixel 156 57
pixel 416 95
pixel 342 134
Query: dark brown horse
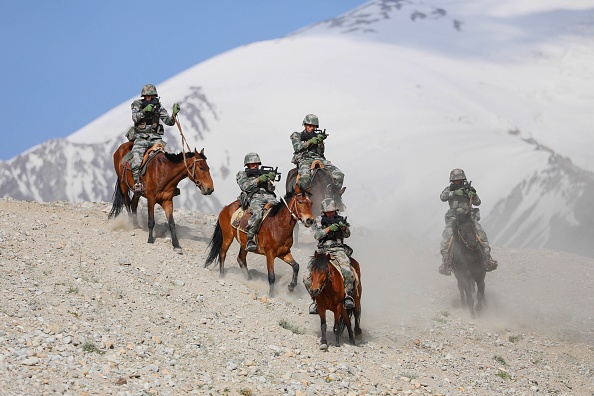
pixel 275 237
pixel 321 187
pixel 328 289
pixel 468 260
pixel 163 173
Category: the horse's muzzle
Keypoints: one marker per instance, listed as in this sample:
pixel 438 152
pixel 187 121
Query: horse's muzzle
pixel 308 222
pixel 207 190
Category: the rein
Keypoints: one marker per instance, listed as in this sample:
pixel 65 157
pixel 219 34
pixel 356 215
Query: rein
pixel 191 174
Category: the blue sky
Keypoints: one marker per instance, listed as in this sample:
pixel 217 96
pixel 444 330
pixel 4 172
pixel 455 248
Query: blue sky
pixel 64 63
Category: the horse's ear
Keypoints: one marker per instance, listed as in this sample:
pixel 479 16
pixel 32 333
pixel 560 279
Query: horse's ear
pixel 202 151
pixel 297 189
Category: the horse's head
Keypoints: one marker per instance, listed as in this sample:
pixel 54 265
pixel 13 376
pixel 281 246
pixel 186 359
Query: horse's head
pixel 303 206
pixel 319 272
pixel 199 173
pixel 465 230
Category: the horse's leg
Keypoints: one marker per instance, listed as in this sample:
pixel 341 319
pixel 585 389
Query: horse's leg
pixel 242 261
pixel 227 241
pixel 322 313
pixel 271 277
pixel 347 321
pixel 480 293
pixel 288 258
pixel 134 208
pixel 168 207
pixel 151 220
pixel 469 298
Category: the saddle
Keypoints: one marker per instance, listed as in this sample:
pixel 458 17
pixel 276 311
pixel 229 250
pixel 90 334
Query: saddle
pixel 148 156
pixel 240 218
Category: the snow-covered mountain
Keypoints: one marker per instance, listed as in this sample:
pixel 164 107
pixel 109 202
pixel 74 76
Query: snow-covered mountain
pixel 407 91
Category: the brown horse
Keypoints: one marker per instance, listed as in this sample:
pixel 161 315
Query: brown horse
pixel 163 173
pixel 328 289
pixel 275 236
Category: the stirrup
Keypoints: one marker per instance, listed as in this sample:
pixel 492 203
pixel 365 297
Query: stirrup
pixel 313 308
pixel 138 188
pixel 491 264
pixel 445 269
pixel 251 246
pixel 349 303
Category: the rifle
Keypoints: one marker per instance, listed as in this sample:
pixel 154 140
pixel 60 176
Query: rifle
pixel 263 170
pixel 328 221
pixel 305 136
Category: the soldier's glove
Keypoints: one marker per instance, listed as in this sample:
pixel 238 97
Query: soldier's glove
pixel 470 194
pixel 459 192
pixel 176 108
pixel 271 175
pixel 321 137
pixel 341 224
pixel 333 227
pixel 263 178
pixel 313 140
pixel 149 108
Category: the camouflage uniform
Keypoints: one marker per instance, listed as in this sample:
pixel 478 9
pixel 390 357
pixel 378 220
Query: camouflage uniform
pixel 461 204
pixel 259 193
pixel 147 130
pixel 336 249
pixel 304 156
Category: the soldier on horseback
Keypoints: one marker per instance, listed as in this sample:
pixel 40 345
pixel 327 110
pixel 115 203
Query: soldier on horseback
pixel 330 229
pixel 308 146
pixel 461 196
pixel 147 131
pixel 256 191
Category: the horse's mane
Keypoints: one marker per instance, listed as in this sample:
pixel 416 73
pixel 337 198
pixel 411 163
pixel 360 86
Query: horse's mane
pixel 179 157
pixel 278 206
pixel 320 262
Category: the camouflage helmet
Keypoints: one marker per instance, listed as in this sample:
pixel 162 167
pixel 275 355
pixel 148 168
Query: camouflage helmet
pixel 457 174
pixel 328 205
pixel 311 119
pixel 149 89
pixel 251 158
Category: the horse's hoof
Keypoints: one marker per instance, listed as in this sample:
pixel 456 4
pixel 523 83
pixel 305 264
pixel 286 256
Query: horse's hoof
pixel 323 347
pixel 352 342
pixel 358 332
pixel 178 250
pixel 291 288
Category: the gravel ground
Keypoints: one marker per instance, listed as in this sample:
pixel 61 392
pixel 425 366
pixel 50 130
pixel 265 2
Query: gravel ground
pixel 89 308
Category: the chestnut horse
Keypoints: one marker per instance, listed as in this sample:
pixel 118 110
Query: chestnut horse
pixel 327 287
pixel 275 236
pixel 163 173
pixel 468 260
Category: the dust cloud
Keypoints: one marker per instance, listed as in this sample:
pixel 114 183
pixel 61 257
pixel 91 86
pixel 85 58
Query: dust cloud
pixel 532 290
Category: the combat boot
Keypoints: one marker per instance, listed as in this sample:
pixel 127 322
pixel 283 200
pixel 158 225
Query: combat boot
pixel 491 264
pixel 251 245
pixel 349 302
pixel 444 268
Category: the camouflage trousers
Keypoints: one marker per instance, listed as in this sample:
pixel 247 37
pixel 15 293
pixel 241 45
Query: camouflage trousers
pixel 450 219
pixel 340 258
pixel 257 209
pixel 305 175
pixel 138 150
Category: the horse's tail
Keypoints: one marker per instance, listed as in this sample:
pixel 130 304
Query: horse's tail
pixel 214 246
pixel 118 201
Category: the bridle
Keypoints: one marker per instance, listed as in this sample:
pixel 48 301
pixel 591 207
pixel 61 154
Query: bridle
pixel 294 204
pixel 328 276
pixel 192 172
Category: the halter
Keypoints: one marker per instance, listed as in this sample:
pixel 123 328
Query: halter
pixel 328 276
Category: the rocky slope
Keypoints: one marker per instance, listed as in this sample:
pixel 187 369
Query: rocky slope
pixel 89 308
